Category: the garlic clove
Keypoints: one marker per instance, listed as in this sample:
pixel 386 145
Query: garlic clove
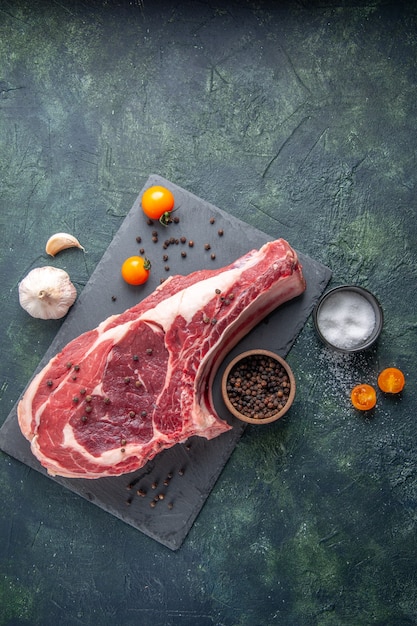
pixel 61 241
pixel 47 293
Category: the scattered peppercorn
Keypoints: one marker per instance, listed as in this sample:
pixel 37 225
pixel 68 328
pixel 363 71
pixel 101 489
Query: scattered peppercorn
pixel 183 254
pixel 88 398
pixel 141 493
pixel 113 298
pixel 152 504
pixel 170 505
pixel 149 351
pixel 212 220
pixel 138 239
pixel 176 219
pixel 154 233
pixel 77 368
pixel 142 250
pixel 143 413
pixel 138 383
pixel 75 399
pixel 154 485
pixel 135 357
pixel 49 383
pixel 149 221
pixel 207 246
pixel 69 365
pixel 183 239
pixel 84 419
pixel 127 379
pixel 106 400
pixel 191 243
pixel 212 256
pixel 220 232
pixel 218 291
pixel 88 408
pixel 155 239
pixel 165 258
pixel 166 268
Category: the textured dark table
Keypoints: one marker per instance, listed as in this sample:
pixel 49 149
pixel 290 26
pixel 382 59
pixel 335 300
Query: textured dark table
pixel 300 119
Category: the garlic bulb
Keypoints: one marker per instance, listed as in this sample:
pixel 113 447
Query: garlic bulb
pixel 61 241
pixel 47 293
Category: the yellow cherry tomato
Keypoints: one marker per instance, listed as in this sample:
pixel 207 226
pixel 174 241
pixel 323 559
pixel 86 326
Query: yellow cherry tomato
pixel 391 380
pixel 363 397
pixel 135 270
pixel 157 203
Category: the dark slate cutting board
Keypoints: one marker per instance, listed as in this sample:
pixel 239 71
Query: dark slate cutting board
pixel 164 498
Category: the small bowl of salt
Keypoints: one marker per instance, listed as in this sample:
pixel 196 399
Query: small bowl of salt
pixel 348 318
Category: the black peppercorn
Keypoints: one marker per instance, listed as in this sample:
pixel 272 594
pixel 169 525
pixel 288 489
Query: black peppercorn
pixel 258 386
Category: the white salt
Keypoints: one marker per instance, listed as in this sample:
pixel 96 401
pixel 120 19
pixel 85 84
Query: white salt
pixel 346 319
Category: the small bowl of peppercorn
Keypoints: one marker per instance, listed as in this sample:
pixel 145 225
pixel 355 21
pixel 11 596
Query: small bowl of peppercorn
pixel 258 387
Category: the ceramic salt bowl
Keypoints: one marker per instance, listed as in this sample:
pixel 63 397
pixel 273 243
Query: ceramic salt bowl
pixel 348 319
pixel 258 387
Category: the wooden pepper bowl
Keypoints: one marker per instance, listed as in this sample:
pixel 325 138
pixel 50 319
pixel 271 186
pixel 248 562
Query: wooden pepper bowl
pixel 280 364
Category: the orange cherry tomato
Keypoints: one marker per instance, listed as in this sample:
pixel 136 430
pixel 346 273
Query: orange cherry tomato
pixel 157 203
pixel 363 397
pixel 391 380
pixel 135 270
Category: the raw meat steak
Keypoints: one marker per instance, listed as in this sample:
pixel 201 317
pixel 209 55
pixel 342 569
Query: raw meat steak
pixel 141 381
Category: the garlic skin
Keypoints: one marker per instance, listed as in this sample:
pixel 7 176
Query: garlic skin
pixel 61 241
pixel 47 293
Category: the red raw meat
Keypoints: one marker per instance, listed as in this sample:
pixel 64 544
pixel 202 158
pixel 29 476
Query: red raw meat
pixel 141 381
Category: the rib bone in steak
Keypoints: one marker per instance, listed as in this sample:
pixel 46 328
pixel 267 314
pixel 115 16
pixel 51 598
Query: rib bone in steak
pixel 141 381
